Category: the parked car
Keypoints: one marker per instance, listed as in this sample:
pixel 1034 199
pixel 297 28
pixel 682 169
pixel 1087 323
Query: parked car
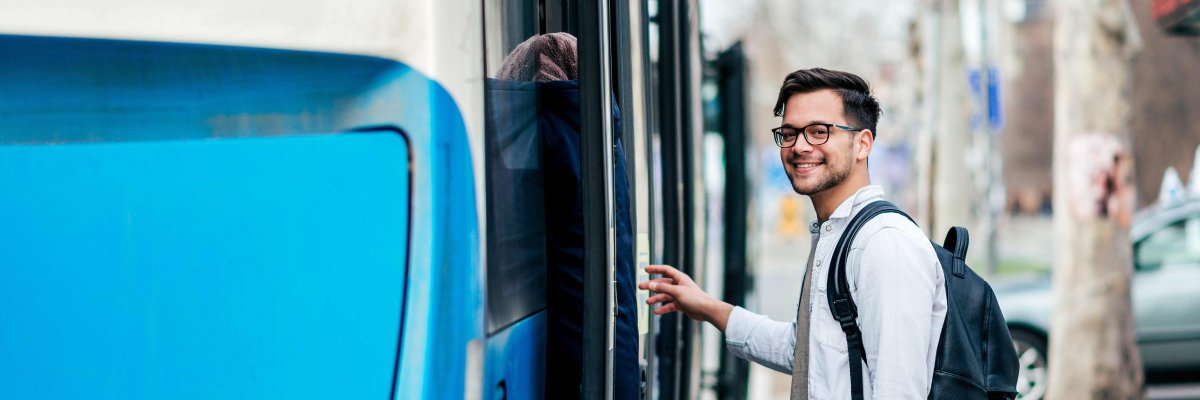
pixel 1166 301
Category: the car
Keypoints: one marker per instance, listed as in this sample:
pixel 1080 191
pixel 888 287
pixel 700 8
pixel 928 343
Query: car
pixel 1165 294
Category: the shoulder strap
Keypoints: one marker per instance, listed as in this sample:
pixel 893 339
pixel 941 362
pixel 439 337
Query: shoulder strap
pixel 838 291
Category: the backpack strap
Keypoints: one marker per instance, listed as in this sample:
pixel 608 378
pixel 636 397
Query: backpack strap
pixel 841 304
pixel 956 241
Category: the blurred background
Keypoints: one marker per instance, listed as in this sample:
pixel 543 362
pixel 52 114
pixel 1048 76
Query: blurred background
pixel 967 132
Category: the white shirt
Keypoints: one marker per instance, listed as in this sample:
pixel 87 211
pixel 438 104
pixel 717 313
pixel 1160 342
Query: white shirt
pixel 899 288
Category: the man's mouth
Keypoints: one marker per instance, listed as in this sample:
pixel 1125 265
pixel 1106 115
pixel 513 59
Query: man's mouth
pixel 807 165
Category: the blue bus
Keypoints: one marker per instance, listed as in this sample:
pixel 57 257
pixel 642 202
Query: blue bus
pixel 312 199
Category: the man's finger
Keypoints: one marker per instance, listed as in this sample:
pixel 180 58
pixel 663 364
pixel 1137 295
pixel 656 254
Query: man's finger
pixel 662 269
pixel 661 281
pixel 668 271
pixel 659 298
pixel 663 288
pixel 666 308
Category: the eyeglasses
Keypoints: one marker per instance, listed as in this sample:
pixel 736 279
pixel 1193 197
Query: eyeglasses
pixel 815 134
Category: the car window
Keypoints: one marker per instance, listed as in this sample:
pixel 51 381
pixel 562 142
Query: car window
pixel 1178 243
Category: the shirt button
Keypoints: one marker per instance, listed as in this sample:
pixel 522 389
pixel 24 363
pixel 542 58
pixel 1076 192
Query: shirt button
pixel 818 263
pixel 828 228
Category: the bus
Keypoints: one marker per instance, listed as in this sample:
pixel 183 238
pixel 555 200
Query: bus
pixel 313 199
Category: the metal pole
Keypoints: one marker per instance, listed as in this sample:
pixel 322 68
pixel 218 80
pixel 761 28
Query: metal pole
pixel 670 354
pixel 595 102
pixel 732 77
pixel 990 162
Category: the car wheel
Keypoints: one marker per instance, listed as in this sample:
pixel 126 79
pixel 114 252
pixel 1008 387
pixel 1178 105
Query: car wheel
pixel 1031 359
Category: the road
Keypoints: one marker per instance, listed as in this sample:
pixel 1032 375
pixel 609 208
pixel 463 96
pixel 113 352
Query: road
pixel 1173 391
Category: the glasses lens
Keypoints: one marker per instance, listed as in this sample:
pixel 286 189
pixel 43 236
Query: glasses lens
pixel 817 134
pixel 785 137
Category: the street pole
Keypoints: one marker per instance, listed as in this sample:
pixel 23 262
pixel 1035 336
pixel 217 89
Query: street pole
pixel 991 164
pixel 930 27
pixel 1093 352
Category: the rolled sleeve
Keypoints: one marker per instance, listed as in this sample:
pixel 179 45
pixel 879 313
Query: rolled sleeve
pixel 757 338
pixel 897 286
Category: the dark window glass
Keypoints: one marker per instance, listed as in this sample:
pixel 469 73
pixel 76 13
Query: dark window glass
pixel 516 230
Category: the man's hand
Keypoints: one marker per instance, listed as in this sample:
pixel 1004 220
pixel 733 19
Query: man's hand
pixel 680 293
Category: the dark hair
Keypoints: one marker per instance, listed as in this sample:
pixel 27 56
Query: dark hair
pixel 860 107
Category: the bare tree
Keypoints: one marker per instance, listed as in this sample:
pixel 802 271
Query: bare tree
pixel 941 150
pixel 1093 352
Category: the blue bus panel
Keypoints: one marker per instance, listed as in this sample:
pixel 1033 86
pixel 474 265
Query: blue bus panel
pixel 177 221
pixel 516 360
pixel 229 268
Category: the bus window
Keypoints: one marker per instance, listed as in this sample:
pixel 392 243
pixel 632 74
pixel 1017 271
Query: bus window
pixel 515 227
pixel 515 216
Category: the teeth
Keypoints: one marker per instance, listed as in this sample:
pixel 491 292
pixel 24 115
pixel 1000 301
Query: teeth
pixel 807 165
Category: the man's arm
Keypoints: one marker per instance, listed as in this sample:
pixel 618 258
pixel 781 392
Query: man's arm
pixel 760 339
pixel 748 335
pixel 897 282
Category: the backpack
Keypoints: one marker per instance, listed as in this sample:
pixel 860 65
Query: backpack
pixel 976 358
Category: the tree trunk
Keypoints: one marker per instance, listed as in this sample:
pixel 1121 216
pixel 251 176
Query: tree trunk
pixel 951 141
pixel 1093 352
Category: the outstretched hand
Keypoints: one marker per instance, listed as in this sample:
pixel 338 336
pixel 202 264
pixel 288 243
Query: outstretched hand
pixel 679 292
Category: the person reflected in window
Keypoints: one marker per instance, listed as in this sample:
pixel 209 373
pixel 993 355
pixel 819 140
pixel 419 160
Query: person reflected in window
pixel 544 68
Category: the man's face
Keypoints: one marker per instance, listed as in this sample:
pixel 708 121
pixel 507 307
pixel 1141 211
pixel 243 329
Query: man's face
pixel 814 169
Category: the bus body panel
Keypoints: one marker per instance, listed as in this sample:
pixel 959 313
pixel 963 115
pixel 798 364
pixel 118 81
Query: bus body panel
pixel 203 268
pixel 87 94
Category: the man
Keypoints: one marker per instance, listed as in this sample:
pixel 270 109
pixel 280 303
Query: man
pixel 828 129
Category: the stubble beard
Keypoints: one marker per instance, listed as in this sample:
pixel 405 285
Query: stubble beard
pixel 828 180
pixel 832 177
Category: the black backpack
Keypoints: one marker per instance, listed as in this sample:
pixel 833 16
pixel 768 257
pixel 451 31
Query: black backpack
pixel 976 358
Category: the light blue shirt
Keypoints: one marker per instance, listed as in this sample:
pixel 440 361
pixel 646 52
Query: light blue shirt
pixel 899 288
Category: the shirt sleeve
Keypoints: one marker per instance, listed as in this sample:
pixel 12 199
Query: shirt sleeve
pixel 757 338
pixel 897 282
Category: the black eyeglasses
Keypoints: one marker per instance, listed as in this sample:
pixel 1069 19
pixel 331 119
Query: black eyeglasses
pixel 814 134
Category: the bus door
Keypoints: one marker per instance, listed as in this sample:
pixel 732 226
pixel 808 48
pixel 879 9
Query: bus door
pixel 558 233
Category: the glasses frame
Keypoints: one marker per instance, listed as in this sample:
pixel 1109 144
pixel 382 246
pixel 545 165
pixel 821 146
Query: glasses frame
pixel 778 132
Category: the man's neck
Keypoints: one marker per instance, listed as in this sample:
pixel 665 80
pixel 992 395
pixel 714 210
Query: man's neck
pixel 827 201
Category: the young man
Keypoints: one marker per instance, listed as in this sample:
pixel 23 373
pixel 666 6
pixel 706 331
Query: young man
pixel 828 130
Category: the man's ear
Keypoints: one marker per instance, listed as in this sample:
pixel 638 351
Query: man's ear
pixel 866 141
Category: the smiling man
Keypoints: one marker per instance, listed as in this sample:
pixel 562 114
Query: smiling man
pixel 826 136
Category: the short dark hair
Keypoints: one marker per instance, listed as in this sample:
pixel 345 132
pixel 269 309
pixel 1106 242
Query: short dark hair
pixel 859 106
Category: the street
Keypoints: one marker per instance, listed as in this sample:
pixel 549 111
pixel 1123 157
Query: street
pixel 1173 391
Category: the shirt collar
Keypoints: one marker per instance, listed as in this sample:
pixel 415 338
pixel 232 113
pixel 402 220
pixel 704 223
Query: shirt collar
pixel 861 197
